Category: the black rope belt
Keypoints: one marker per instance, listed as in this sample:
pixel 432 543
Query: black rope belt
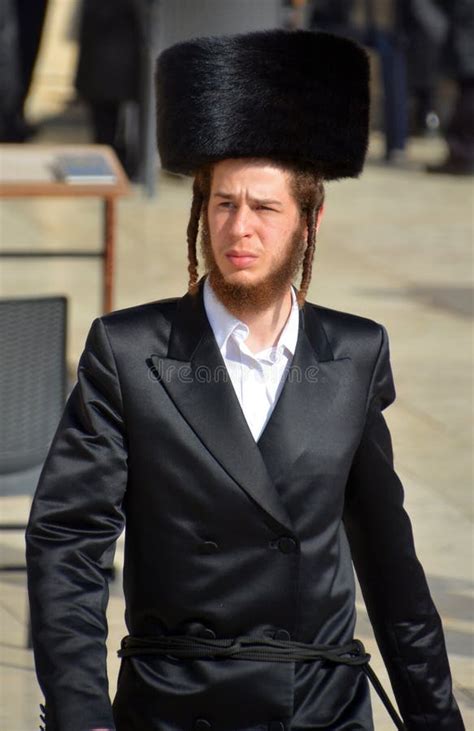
pixel 259 648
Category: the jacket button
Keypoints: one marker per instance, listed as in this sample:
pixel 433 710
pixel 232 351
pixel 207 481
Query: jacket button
pixel 202 725
pixel 281 634
pixel 208 547
pixel 287 544
pixel 197 629
pixel 276 726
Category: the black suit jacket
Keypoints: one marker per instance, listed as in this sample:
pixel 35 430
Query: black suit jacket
pixel 226 536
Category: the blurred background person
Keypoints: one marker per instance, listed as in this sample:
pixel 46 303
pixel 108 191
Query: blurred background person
pixel 335 15
pixel 458 58
pixel 21 28
pixel 9 67
pixel 375 26
pixel 108 74
pixel 419 43
pixel 425 27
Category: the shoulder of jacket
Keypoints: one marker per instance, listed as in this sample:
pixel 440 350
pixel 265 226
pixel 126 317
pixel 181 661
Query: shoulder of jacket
pixel 350 334
pixel 143 314
pixel 140 326
pixel 341 321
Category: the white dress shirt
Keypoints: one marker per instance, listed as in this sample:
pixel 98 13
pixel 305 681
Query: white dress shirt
pixel 257 378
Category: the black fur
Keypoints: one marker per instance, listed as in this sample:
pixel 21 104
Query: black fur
pixel 287 95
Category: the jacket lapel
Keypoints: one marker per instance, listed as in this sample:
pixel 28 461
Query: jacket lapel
pixel 299 420
pixel 195 377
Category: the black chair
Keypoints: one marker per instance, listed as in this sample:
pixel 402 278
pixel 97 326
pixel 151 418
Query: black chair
pixel 33 380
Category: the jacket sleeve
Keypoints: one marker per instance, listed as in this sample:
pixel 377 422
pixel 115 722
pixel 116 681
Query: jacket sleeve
pixel 406 624
pixel 76 517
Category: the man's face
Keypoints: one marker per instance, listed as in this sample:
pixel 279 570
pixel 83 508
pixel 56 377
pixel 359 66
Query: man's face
pixel 255 239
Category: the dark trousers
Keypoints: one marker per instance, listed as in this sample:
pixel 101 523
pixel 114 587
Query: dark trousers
pixel 460 131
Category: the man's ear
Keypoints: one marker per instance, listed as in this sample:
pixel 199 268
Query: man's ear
pixel 320 217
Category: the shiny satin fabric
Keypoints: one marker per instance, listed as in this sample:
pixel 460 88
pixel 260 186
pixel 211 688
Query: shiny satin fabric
pixel 226 536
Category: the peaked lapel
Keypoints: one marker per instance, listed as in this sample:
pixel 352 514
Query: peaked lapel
pixel 196 379
pixel 299 420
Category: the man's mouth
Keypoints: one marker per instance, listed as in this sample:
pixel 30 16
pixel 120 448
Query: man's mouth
pixel 241 259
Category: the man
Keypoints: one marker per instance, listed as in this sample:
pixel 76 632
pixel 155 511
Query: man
pixel 459 58
pixel 238 432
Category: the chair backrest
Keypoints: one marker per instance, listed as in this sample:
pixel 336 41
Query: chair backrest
pixel 32 378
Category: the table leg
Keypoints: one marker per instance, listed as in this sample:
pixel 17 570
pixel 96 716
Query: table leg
pixel 108 251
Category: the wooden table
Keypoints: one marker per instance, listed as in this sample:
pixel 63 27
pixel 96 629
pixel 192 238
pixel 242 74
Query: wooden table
pixel 28 171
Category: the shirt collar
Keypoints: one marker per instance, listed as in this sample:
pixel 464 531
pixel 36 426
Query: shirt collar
pixel 223 322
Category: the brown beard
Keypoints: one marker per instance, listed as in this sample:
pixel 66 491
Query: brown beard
pixel 242 298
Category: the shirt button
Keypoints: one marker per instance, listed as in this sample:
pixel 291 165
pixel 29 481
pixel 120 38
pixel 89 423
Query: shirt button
pixel 281 634
pixel 287 544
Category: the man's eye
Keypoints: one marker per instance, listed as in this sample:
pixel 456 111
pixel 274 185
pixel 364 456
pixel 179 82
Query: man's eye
pixel 265 208
pixel 226 204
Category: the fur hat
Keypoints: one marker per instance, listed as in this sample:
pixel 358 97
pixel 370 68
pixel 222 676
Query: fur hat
pixel 297 96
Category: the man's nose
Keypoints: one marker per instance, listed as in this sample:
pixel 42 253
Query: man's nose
pixel 241 222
